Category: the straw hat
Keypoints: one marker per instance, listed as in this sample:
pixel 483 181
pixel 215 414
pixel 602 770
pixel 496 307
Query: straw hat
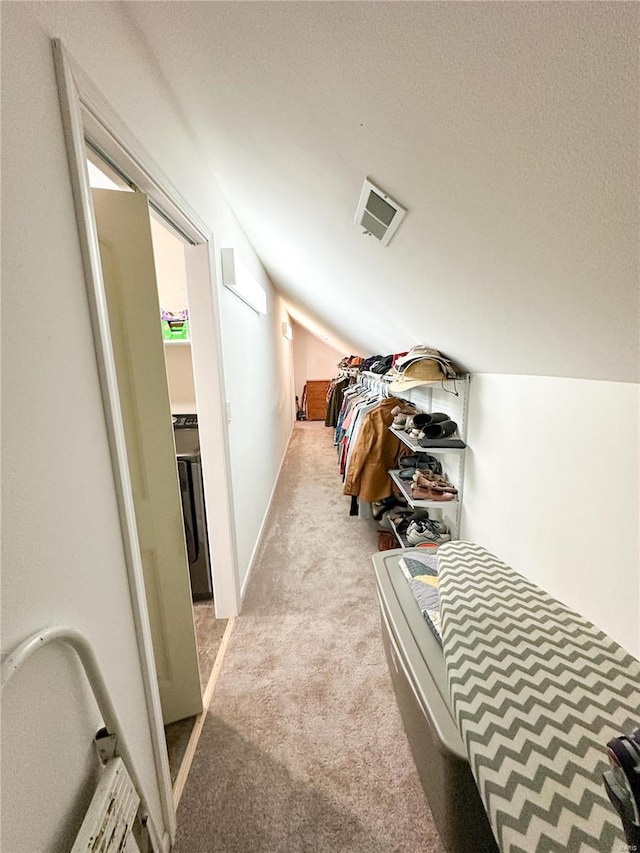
pixel 417 373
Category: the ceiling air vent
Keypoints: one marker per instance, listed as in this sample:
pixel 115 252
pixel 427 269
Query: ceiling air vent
pixel 378 214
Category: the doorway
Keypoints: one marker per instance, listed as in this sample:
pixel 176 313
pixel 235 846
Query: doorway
pixel 138 318
pixel 88 118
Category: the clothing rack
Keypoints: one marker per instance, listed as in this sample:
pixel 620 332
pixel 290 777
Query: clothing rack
pixel 351 372
pixel 374 382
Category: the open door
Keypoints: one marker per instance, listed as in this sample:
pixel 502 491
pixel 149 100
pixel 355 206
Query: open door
pixel 126 254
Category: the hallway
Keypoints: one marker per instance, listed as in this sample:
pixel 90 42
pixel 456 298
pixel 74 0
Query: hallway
pixel 303 747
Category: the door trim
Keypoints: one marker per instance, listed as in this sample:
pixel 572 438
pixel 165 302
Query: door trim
pixel 87 115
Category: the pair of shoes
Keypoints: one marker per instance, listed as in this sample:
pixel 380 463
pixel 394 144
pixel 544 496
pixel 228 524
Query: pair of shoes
pixel 428 531
pixel 422 459
pixel 400 416
pixel 429 463
pixel 378 508
pixel 423 420
pixel 439 430
pixel 411 460
pixel 415 538
pixel 431 493
pixel 427 480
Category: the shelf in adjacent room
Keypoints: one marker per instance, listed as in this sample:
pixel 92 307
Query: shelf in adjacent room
pixel 185 342
pixel 404 488
pixel 444 445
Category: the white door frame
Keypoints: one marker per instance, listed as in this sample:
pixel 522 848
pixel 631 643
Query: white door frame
pixel 87 116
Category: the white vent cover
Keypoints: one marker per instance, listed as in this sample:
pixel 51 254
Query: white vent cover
pixel 378 214
pixel 110 817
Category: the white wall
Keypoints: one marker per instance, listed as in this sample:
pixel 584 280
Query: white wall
pixel 62 554
pixel 312 358
pixel 552 488
pixel 182 392
pixel 262 409
pixel 171 270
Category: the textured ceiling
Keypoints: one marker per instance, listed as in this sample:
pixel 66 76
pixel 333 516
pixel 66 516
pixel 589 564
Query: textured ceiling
pixel 508 130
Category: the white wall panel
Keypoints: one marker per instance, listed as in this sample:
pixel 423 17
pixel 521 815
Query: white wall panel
pixel 62 551
pixel 182 394
pixel 552 488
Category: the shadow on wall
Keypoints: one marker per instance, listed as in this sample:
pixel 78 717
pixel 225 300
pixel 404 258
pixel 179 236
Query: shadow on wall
pixel 252 803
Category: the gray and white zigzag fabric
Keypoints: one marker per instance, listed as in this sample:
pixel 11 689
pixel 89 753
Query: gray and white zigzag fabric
pixel 537 692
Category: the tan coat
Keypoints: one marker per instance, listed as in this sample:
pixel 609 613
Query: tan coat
pixel 374 454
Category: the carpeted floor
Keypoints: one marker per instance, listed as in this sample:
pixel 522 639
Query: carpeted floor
pixel 303 747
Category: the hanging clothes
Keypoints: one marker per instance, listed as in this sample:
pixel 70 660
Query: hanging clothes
pixel 361 401
pixel 353 424
pixel 336 397
pixel 374 452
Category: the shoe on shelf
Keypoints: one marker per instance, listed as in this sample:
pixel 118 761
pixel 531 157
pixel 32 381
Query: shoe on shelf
pixel 411 460
pixel 423 419
pixel 379 507
pixel 430 463
pixel 441 429
pixel 419 493
pixel 419 539
pixel 427 531
pixel 427 480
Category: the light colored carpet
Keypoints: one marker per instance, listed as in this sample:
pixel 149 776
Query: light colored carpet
pixel 303 747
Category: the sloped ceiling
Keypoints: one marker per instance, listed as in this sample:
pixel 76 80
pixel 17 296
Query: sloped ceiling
pixel 508 130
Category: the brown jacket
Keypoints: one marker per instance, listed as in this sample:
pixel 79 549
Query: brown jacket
pixel 375 452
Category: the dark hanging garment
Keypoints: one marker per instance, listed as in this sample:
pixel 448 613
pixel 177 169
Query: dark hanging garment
pixel 335 402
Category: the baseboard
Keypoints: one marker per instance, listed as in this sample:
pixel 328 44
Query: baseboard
pixel 256 547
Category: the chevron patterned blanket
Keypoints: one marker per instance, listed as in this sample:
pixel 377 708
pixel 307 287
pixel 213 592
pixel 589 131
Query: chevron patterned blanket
pixel 537 692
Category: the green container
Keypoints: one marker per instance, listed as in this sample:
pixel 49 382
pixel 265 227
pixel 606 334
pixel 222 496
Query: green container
pixel 175 330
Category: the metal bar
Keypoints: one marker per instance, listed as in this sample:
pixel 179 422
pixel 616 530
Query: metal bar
pixel 81 646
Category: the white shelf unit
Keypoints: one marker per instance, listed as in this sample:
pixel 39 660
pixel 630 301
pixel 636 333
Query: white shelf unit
pixel 412 442
pixel 183 343
pixel 451 397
